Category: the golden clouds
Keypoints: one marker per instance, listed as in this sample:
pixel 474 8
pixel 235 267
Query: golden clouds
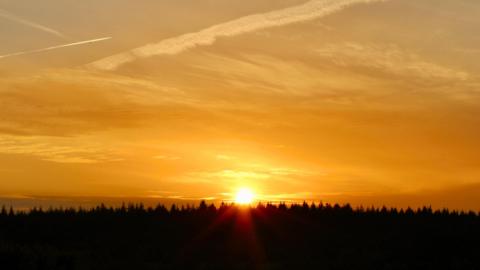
pixel 389 59
pixel 321 129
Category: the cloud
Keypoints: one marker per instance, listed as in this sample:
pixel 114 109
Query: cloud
pixel 60 150
pixel 309 11
pixel 11 17
pixel 70 102
pixel 164 157
pixel 390 59
pixel 224 157
pixel 56 47
pixel 289 197
pixel 250 174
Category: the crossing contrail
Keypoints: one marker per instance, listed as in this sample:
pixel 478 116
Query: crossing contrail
pixel 55 47
pixel 11 17
pixel 311 10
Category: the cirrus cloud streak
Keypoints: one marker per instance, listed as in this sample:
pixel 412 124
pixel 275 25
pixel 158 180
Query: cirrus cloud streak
pixel 309 11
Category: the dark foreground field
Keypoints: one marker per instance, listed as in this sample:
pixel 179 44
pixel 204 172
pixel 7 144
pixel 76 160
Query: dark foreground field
pixel 228 237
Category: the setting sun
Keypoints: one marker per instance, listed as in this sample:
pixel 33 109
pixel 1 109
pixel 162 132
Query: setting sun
pixel 244 196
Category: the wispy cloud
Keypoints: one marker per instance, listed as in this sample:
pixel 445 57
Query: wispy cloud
pixel 169 158
pixel 250 174
pixel 11 17
pixel 55 47
pixel 309 11
pixel 58 149
pixel 388 58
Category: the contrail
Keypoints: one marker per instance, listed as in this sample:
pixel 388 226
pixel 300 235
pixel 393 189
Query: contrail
pixel 9 16
pixel 55 47
pixel 309 11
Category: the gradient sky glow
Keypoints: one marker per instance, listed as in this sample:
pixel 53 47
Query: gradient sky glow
pixel 373 102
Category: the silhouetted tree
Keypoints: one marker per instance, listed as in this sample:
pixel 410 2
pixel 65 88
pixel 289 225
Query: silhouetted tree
pixel 272 236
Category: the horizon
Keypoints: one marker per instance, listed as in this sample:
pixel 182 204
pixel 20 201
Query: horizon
pixel 27 203
pixel 160 209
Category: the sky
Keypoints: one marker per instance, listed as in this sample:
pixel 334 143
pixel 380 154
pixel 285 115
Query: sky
pixel 365 101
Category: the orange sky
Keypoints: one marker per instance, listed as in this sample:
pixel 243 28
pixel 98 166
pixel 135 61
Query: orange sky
pixel 373 102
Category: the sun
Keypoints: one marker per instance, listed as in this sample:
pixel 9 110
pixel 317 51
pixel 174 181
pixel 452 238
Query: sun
pixel 244 196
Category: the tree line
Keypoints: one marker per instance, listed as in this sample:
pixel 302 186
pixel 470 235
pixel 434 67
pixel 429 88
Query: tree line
pixel 227 236
pixel 160 209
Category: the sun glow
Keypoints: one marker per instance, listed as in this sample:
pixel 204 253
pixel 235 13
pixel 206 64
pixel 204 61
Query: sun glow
pixel 244 196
